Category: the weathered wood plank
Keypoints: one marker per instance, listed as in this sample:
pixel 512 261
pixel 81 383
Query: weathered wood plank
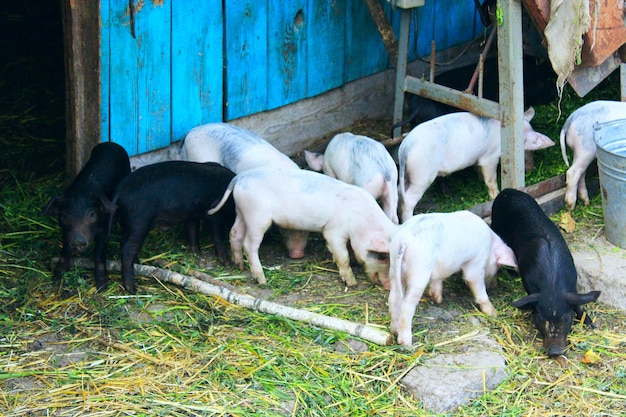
pixel 197 73
pixel 105 70
pixel 287 40
pixel 80 21
pixel 325 42
pixel 123 72
pixel 139 84
pixel 246 57
pixel 446 22
pixel 384 28
pixel 154 22
pixel 365 50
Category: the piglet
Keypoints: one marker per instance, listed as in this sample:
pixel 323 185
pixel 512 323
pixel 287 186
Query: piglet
pixel 578 132
pixel 545 265
pixel 363 162
pixel 80 210
pixel 451 143
pixel 428 248
pixel 167 193
pixel 239 149
pixel 236 148
pixel 306 200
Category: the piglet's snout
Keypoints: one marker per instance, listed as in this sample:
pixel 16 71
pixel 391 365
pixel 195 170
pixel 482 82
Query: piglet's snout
pixel 80 243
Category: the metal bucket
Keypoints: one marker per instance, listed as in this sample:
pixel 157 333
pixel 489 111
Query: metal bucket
pixel 610 140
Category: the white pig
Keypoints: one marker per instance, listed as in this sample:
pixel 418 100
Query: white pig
pixel 578 132
pixel 239 149
pixel 451 143
pixel 310 201
pixel 364 162
pixel 429 248
pixel 235 148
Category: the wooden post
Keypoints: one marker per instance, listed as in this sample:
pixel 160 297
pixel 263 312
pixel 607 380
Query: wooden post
pixel 405 24
pixel 511 93
pixel 81 36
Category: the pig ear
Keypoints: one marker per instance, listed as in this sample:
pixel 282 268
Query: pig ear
pixel 108 205
pixel 529 114
pixel 314 160
pixel 504 254
pixel 579 299
pixel 527 302
pixel 378 244
pixel 52 208
pixel 535 140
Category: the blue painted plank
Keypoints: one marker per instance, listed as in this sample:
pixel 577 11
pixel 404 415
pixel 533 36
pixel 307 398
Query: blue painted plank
pixel 365 52
pixel 154 23
pixel 139 76
pixel 105 54
pixel 448 22
pixel 123 72
pixel 246 57
pixel 325 46
pixel 197 73
pixel 287 39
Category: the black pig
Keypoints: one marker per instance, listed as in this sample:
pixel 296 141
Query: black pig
pixel 545 265
pixel 80 210
pixel 167 193
pixel 538 88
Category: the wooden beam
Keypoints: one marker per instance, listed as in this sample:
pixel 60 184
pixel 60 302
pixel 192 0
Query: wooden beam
pixel 384 28
pixel 550 194
pixel 81 36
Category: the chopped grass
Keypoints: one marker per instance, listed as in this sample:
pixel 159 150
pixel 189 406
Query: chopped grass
pixel 169 352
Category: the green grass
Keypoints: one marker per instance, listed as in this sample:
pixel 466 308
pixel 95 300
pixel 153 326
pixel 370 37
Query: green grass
pixel 171 352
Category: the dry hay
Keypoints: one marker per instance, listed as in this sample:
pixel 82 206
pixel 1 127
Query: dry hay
pixel 167 351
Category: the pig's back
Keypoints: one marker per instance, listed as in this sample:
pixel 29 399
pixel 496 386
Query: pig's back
pixel 173 181
pixel 582 120
pixel 454 141
pixel 310 198
pixel 454 237
pixel 357 159
pixel 236 148
pixel 108 164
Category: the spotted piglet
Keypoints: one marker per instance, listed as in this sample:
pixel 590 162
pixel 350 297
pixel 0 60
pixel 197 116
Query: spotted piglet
pixel 578 132
pixel 239 149
pixel 363 162
pixel 305 200
pixel 451 143
pixel 429 248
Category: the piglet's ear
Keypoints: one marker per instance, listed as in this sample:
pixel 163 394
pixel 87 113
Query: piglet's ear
pixel 527 302
pixel 108 205
pixel 314 160
pixel 504 254
pixel 52 208
pixel 529 114
pixel 579 299
pixel 379 244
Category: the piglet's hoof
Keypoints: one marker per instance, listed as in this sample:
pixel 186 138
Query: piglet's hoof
pixel 102 285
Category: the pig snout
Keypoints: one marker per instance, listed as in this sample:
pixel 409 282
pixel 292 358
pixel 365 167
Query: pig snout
pixel 80 243
pixel 295 241
pixel 554 344
pixel 553 350
pixel 554 333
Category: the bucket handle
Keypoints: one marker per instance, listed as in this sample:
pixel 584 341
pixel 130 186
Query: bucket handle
pixel 597 125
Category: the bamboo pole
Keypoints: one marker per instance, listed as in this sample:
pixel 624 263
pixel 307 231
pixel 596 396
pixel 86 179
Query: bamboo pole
pixel 363 331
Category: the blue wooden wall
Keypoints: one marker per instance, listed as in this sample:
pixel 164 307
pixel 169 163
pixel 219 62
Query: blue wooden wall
pixel 175 65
